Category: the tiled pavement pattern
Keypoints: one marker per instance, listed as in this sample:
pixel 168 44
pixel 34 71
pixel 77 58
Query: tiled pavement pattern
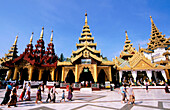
pixel 156 99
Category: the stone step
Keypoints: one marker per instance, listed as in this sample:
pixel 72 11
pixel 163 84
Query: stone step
pixel 86 90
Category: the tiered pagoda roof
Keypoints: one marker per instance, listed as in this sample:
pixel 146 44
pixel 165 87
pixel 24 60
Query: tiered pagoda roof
pixel 157 40
pixel 37 56
pixel 12 53
pixel 86 37
pixel 128 49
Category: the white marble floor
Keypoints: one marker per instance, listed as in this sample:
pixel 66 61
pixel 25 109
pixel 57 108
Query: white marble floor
pixel 155 99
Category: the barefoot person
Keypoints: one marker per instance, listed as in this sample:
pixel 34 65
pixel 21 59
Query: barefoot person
pixel 122 91
pixel 49 95
pixel 53 94
pixel 28 92
pixel 70 95
pixel 131 95
pixel 13 99
pixel 38 96
pixel 23 92
pixel 7 94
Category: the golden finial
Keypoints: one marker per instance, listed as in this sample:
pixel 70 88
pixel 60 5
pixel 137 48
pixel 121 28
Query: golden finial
pixel 31 38
pixel 151 19
pixel 139 47
pixel 42 33
pixel 16 40
pixel 86 18
pixel 126 35
pixel 51 37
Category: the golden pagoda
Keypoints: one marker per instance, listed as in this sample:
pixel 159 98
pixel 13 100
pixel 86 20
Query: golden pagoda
pixel 12 53
pixel 157 39
pixel 128 49
pixel 86 63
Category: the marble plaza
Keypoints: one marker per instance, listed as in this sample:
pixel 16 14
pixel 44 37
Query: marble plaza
pixel 105 99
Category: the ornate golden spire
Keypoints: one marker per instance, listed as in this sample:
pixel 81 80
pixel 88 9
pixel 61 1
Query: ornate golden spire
pixel 151 19
pixel 139 48
pixel 86 18
pixel 16 40
pixel 42 33
pixel 157 39
pixel 31 38
pixel 51 37
pixel 126 35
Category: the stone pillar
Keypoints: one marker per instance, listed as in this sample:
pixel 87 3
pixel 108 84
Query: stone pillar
pixel 155 75
pixel 134 74
pixel 30 73
pixel 110 74
pixel 20 75
pixel 62 76
pixel 52 73
pixel 120 77
pixel 9 72
pixel 149 74
pixel 15 73
pixel 76 74
pixel 56 75
pixel 95 73
pixel 40 74
pixel 164 75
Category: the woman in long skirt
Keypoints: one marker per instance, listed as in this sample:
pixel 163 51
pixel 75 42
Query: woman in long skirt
pixel 23 92
pixel 38 96
pixel 7 94
pixel 13 99
pixel 27 96
pixel 70 95
pixel 53 93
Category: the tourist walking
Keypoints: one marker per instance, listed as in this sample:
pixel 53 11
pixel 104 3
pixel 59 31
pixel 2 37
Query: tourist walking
pixel 23 92
pixel 70 95
pixel 131 95
pixel 49 95
pixel 147 87
pixel 7 94
pixel 63 96
pixel 13 99
pixel 27 96
pixel 38 96
pixel 166 88
pixel 53 94
pixel 125 93
pixel 122 91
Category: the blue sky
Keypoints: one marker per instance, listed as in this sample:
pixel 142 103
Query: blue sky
pixel 108 20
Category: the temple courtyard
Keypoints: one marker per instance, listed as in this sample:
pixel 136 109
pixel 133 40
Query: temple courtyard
pixel 105 99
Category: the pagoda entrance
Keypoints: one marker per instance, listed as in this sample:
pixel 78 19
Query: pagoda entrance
pixel 46 76
pixel 35 75
pixel 127 77
pixel 141 77
pixel 23 75
pixel 86 78
pixel 70 77
pixel 102 77
pixel 159 77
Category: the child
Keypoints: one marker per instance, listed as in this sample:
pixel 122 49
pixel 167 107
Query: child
pixel 63 96
pixel 13 99
pixel 49 96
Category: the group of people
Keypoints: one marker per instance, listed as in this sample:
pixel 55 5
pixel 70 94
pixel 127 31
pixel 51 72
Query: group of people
pixel 10 101
pixel 123 91
pixel 52 94
pixel 10 98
